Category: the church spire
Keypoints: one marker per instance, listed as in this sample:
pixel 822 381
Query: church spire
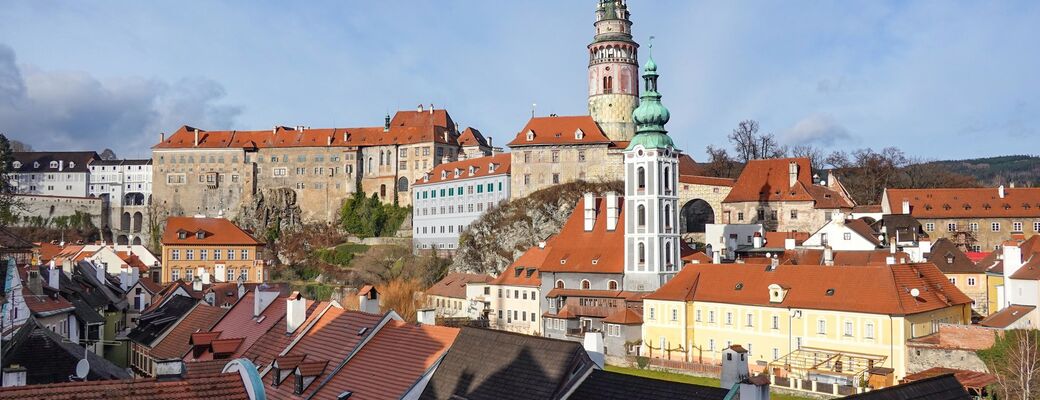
pixel 651 116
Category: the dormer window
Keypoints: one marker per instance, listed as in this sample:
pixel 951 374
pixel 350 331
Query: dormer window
pixel 182 235
pixel 579 134
pixel 530 136
pixel 36 164
pixel 17 164
pixel 444 174
pixel 54 164
pixel 829 292
pixel 777 293
pixel 491 167
pixel 72 164
pixel 200 235
pixel 472 170
pixel 458 171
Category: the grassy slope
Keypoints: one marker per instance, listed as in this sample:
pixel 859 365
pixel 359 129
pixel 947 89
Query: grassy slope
pixel 696 380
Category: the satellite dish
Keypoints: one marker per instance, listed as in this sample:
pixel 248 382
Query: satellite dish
pixel 82 369
pixel 914 292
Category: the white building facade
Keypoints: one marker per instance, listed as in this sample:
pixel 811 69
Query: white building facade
pixel 453 195
pixel 63 173
pixel 126 187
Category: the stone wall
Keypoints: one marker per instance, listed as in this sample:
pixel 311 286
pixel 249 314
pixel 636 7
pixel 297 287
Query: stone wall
pixel 985 237
pixel 49 207
pixel 808 219
pixel 533 167
pixel 953 347
pixel 711 194
pixel 210 182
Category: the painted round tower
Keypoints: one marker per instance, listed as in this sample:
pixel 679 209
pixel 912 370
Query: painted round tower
pixel 613 71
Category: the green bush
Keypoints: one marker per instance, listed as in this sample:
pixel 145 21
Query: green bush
pixel 368 217
pixel 642 361
pixel 342 254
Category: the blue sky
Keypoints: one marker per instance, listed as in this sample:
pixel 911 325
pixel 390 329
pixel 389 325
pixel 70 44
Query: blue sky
pixel 941 80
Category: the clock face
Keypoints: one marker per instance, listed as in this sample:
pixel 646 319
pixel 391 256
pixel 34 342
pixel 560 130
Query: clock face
pixel 607 68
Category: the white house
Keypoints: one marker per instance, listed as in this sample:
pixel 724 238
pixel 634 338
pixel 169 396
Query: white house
pixel 722 240
pixel 453 195
pixel 844 234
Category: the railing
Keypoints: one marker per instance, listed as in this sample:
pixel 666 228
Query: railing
pixel 689 366
pixel 806 385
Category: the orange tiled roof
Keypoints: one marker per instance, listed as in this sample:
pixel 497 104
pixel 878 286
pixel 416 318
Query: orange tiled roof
pixel 627 316
pixel 239 323
pixel 47 251
pixel 777 239
pixel 769 180
pixel 480 167
pixel 560 130
pixel 510 276
pixel 875 289
pixel 596 251
pixel 472 137
pixel 966 202
pixel 454 284
pixel 219 386
pixel 45 304
pixel 177 341
pixel 968 379
pixel 706 180
pixel 1007 316
pixel 392 361
pixel 217 231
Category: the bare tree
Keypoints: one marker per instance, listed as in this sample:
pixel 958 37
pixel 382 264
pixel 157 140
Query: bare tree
pixel 20 146
pixel 866 173
pixel 1015 361
pixel 924 174
pixel 720 163
pixel 813 153
pixel 749 144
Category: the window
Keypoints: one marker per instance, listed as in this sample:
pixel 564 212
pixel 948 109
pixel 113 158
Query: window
pixel 585 284
pixel 995 226
pixel 174 275
pixel 776 353
pixel 245 254
pixel 711 317
pixel 581 155
pixel 772 215
pixel 794 214
pixel 847 236
pixel 740 216
pixel 559 285
pixel 750 319
pixel 776 322
pixel 642 253
pixel 555 156
pixel 697 316
pixel 230 254
pixel 953 280
pixel 729 318
pixel 930 227
pixel 868 331
pixel 190 254
pixel 821 327
pixel 974 227
pixel 188 274
pixel 652 316
pixel 203 254
pixel 216 254
pixel 675 314
pixel 971 281
pixel 175 255
pixel 641 178
pixel 711 344
pixel 556 179
pixel 951 227
pixel 848 328
pixel 231 275
pixel 1016 226
pixel 1036 226
pixel 612 285
pixel 642 216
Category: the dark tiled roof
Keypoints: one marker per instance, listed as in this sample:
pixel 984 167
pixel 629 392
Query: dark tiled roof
pixel 951 260
pixel 1007 316
pixel 49 358
pixel 604 385
pixel 86 314
pixel 175 344
pixel 942 387
pixel 154 323
pixel 520 367
pixel 40 161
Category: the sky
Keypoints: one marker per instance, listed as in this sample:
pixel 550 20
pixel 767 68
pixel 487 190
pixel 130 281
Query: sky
pixel 939 80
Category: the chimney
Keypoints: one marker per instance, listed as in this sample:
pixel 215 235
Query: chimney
pixel 595 348
pixel 716 256
pixel 431 108
pixel 205 277
pixel 758 242
pixel 386 123
pixel 792 173
pixel 53 276
pixel 774 262
pixel 1012 255
pixel 169 370
pixel 261 300
pixel 124 280
pixel 590 211
pixel 328 142
pixel 892 246
pixel 427 316
pixel 100 270
pixel 61 167
pixel 925 245
pixel 241 290
pixel 196 284
pixel 162 137
pixel 906 206
pixel 295 312
pixel 789 243
pixel 828 256
pixel 35 281
pixel 14 375
pixel 196 138
pixel 612 211
pixel 419 109
pixel 489 142
pixel 1000 191
pixel 368 300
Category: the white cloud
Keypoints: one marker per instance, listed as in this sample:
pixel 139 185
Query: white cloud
pixel 62 110
pixel 817 129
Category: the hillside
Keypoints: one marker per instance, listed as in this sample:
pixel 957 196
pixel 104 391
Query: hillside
pixel 490 243
pixel 1023 170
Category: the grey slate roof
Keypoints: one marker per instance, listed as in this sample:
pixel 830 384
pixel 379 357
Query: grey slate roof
pixel 152 325
pixel 487 364
pixel 49 358
pixel 39 161
pixel 604 385
pixel 942 387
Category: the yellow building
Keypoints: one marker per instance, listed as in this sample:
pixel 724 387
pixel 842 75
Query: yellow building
pixel 969 277
pixel 864 313
pixel 210 249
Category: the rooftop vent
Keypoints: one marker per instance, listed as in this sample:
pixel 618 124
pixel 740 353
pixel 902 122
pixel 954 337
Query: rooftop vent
pixel 740 285
pixel 830 292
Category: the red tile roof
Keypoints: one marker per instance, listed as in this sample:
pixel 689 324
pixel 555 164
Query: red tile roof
pixel 575 250
pixel 220 386
pixel 480 165
pixel 769 180
pixel 778 239
pixel 966 202
pixel 407 127
pixel 707 180
pixel 876 289
pixel 239 322
pixel 391 362
pixel 627 316
pixel 454 285
pixel 177 340
pixel 216 231
pixel 1009 315
pixel 472 137
pixel 560 130
pixel 969 379
pixel 45 304
pixel 510 276
pixel 47 251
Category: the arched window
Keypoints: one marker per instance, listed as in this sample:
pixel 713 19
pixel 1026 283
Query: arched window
pixel 585 284
pixel 380 158
pixel 641 178
pixel 402 184
pixel 668 255
pixel 667 216
pixel 642 253
pixel 608 84
pixel 612 285
pixel 559 284
pixel 642 216
pixel 667 181
pixel 370 165
pixel 382 190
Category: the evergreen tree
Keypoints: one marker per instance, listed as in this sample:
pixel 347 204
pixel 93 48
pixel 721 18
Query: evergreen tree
pixel 8 203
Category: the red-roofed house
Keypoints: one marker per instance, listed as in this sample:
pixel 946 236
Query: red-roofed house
pixel 782 195
pixel 196 247
pixel 459 295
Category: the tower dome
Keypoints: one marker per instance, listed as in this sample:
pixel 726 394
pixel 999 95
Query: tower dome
pixel 651 116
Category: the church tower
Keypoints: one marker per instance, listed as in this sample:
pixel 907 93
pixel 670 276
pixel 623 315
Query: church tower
pixel 613 71
pixel 651 179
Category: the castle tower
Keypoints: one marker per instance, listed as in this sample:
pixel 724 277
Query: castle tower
pixel 651 199
pixel 613 71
